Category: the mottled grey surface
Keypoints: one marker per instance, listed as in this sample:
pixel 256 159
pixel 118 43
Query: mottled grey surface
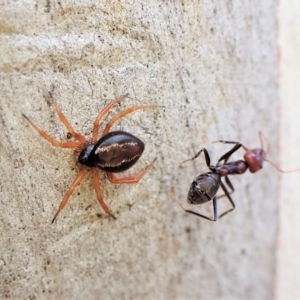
pixel 288 248
pixel 214 67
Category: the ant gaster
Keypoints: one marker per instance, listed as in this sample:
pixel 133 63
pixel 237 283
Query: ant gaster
pixel 114 152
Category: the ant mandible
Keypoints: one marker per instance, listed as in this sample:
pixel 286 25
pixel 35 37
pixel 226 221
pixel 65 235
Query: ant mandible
pixel 114 152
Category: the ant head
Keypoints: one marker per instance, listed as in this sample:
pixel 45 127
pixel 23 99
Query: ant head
pixel 256 157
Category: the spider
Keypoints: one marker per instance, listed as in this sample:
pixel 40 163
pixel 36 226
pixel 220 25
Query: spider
pixel 115 151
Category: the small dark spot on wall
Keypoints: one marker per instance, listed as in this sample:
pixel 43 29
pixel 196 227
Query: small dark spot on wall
pixel 48 6
pixel 88 207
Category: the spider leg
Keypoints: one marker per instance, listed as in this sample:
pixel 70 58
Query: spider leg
pixel 70 129
pixel 102 113
pixel 130 179
pixel 124 113
pixel 70 191
pixel 95 174
pixel 52 140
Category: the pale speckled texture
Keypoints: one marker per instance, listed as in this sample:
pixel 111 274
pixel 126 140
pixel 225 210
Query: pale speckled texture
pixel 214 66
pixel 288 248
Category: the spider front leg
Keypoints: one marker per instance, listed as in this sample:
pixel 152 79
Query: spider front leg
pixel 70 129
pixel 130 179
pixel 51 139
pixel 124 113
pixel 102 113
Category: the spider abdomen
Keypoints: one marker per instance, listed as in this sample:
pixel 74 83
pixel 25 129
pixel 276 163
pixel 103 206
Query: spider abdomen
pixel 115 152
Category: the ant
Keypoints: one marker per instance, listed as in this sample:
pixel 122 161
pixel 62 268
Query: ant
pixel 205 186
pixel 114 152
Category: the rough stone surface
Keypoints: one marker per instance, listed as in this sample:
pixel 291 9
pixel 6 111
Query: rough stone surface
pixel 214 67
pixel 288 248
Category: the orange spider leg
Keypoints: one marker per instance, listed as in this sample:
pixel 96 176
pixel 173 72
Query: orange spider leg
pixel 76 182
pixel 102 113
pixel 95 174
pixel 50 139
pixel 70 129
pixel 130 179
pixel 124 113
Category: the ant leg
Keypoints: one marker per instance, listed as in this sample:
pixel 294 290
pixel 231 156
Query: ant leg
pixel 230 186
pixel 229 198
pixel 215 205
pixel 96 181
pixel 50 139
pixel 70 129
pixel 230 142
pixel 124 113
pixel 130 179
pixel 102 113
pixel 202 216
pixel 70 191
pixel 227 155
pixel 207 158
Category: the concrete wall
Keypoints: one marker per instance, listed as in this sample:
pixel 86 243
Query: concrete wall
pixel 288 263
pixel 214 66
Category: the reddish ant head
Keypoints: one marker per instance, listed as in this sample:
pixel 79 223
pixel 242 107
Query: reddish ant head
pixel 254 159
